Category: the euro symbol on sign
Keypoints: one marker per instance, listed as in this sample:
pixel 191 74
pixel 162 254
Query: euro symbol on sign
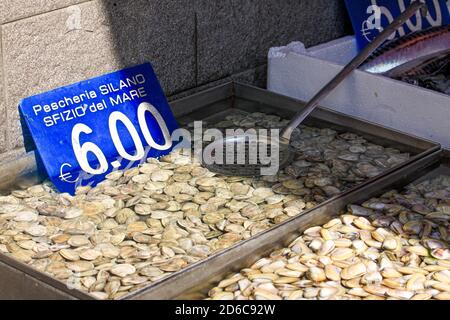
pixel 66 176
pixel 367 32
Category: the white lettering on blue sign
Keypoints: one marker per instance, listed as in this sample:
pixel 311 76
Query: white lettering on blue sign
pixel 369 17
pixel 84 131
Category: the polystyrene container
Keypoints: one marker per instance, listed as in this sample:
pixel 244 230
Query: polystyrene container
pixel 300 73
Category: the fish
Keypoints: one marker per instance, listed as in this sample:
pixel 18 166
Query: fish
pixel 431 72
pixel 428 43
pixel 425 66
pixel 438 82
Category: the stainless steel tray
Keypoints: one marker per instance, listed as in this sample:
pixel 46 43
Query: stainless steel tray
pixel 195 283
pixel 19 281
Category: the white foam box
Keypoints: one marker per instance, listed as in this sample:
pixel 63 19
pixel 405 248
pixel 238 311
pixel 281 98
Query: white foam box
pixel 300 73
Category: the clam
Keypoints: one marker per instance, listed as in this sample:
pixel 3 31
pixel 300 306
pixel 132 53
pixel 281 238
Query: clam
pixel 123 270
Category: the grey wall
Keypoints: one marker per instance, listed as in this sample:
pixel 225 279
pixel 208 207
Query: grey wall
pixel 192 44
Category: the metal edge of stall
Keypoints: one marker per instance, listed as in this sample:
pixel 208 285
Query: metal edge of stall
pixel 194 281
pixel 25 165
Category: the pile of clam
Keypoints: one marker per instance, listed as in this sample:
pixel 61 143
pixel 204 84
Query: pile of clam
pixel 142 224
pixel 327 161
pixel 392 247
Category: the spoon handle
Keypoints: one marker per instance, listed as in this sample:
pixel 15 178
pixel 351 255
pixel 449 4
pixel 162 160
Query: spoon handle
pixel 352 65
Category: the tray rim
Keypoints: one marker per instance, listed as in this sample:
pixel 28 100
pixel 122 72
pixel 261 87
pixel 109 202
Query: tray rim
pixel 228 90
pixel 387 181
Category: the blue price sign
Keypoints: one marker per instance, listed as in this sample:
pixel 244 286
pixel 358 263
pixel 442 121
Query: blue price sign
pixel 84 131
pixel 370 16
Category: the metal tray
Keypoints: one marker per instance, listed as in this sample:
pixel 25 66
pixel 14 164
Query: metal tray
pixel 209 272
pixel 214 269
pixel 20 281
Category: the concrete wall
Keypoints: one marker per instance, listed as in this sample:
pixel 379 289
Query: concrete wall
pixel 192 44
